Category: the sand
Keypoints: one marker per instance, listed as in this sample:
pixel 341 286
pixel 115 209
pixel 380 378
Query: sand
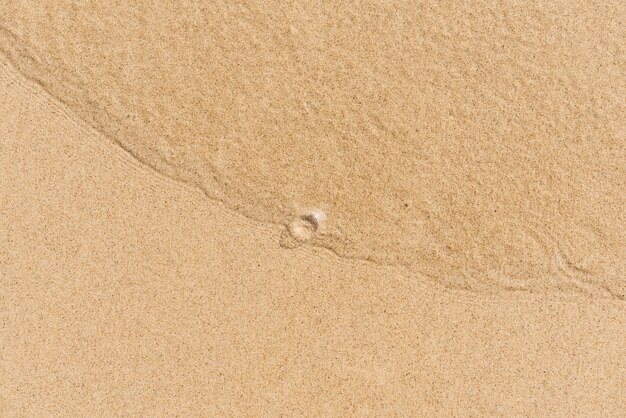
pixel 312 209
pixel 469 145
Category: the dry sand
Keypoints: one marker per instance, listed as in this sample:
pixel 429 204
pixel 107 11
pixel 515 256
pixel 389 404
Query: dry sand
pixel 160 168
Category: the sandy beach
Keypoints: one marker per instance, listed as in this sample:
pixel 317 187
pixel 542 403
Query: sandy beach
pixel 313 209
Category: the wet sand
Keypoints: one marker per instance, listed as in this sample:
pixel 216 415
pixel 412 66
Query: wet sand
pixel 473 146
pixel 312 210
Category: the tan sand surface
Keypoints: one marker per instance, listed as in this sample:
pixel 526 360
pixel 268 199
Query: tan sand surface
pixel 159 171
pixel 124 293
pixel 476 143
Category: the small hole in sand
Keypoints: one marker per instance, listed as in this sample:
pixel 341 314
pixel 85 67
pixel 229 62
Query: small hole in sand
pixel 304 227
pixel 315 218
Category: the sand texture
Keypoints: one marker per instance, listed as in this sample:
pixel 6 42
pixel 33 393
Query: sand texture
pixel 479 146
pixel 312 208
